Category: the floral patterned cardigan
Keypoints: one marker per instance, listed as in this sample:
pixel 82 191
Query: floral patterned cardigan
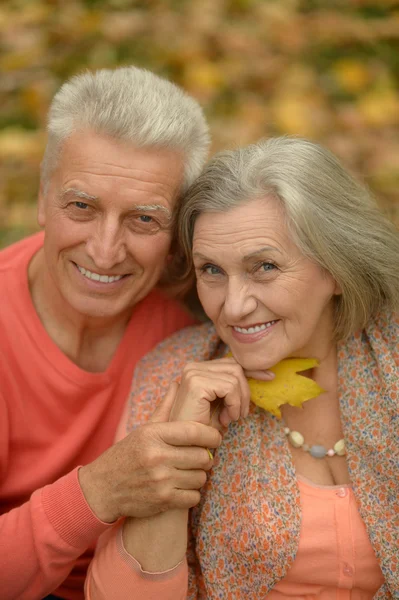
pixel 245 531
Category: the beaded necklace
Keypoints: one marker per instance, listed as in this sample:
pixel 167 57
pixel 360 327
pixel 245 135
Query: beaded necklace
pixel 297 440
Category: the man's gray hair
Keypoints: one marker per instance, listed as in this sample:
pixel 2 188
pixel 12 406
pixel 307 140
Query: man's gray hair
pixel 133 105
pixel 333 219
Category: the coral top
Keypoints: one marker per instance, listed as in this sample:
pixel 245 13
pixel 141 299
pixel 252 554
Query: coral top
pixel 335 560
pixel 53 417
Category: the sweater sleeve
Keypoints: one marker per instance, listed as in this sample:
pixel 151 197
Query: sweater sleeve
pixel 41 540
pixel 116 575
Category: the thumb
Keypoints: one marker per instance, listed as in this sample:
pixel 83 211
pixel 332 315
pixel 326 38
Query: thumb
pixel 163 410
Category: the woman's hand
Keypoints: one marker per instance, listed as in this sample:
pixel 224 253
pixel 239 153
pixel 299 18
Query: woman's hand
pixel 214 392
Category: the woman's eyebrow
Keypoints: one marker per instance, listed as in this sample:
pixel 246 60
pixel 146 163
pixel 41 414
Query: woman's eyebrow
pixel 260 251
pixel 247 257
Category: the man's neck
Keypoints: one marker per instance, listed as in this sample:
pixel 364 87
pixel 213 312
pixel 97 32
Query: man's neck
pixel 88 342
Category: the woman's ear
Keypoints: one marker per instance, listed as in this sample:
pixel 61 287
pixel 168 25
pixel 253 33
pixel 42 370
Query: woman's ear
pixel 337 289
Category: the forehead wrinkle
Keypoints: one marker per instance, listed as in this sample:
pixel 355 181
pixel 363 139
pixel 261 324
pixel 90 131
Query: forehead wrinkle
pixel 241 237
pixel 145 173
pixel 260 251
pixel 154 188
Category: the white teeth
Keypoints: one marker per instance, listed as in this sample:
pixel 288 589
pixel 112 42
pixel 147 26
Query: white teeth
pixel 97 277
pixel 254 329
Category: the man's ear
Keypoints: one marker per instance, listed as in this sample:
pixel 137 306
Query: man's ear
pixel 41 204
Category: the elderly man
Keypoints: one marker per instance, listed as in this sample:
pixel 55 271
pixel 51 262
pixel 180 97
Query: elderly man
pixel 78 309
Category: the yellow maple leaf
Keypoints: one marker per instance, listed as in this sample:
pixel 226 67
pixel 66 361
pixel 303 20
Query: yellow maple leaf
pixel 288 387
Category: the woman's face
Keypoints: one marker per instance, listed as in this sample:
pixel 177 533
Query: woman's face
pixel 266 299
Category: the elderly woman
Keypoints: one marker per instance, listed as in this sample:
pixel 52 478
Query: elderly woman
pixel 292 259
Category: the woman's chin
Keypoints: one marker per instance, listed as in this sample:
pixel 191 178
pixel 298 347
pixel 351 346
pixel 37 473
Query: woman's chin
pixel 254 362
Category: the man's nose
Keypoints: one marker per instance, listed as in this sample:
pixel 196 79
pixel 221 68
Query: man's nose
pixel 239 300
pixel 106 247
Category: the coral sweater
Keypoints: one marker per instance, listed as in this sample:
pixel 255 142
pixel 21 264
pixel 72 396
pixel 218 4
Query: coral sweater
pixel 54 417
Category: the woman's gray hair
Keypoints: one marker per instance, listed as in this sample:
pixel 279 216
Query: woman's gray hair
pixel 333 219
pixel 133 105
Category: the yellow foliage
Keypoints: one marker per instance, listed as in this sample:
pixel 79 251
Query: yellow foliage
pixel 203 75
pixel 15 143
pixel 380 107
pixel 351 75
pixel 294 115
pixel 288 387
pixel 258 68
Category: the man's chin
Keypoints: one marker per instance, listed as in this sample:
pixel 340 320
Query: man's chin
pixel 97 308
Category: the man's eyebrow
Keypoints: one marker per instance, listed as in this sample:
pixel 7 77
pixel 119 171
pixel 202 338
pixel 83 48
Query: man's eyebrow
pixel 78 193
pixel 152 207
pixel 144 207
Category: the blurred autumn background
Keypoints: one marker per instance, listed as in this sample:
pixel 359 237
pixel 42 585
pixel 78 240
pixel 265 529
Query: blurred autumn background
pixel 328 70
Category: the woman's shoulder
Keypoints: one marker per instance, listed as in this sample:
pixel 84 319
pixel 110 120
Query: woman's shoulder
pixel 196 342
pixel 385 328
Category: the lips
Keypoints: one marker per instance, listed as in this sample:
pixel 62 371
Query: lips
pixel 254 328
pixel 98 276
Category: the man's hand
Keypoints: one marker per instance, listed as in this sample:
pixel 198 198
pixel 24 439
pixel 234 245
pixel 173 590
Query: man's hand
pixel 159 466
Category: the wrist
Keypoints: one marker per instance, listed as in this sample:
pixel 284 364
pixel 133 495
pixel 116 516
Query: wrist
pixel 94 493
pixel 157 543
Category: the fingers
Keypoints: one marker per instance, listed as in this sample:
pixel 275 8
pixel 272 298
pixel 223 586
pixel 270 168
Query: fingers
pixel 189 458
pixel 188 433
pixel 185 498
pixel 162 412
pixel 191 479
pixel 205 382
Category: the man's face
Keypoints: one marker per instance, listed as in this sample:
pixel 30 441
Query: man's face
pixel 107 216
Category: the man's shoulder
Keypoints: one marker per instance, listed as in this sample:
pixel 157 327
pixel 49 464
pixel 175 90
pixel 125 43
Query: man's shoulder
pixel 19 253
pixel 158 299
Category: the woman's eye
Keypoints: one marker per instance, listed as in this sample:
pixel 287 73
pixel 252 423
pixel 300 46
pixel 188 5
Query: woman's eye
pixel 266 266
pixel 145 219
pixel 210 270
pixel 81 205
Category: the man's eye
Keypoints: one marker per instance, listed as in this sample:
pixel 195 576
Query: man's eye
pixel 145 219
pixel 81 205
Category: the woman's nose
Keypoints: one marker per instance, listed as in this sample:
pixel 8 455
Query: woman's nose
pixel 239 301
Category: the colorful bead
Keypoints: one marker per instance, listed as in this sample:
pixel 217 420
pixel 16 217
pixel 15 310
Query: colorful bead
pixel 317 451
pixel 296 439
pixel 330 452
pixel 339 448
